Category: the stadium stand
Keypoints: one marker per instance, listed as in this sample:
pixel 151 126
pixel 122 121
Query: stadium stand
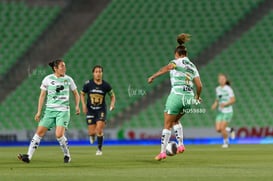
pixel 131 41
pixel 123 39
pixel 20 26
pixel 247 63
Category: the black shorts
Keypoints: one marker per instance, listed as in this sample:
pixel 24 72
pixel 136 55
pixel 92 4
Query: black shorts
pixel 93 116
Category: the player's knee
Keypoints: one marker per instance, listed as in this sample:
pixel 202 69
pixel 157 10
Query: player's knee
pixel 168 125
pixel 58 135
pixel 99 132
pixel 40 133
pixel 223 130
pixel 92 132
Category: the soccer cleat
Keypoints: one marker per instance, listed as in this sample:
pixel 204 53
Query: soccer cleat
pixel 180 149
pixel 98 152
pixel 67 159
pixel 160 156
pixel 225 145
pixel 232 133
pixel 92 139
pixel 23 158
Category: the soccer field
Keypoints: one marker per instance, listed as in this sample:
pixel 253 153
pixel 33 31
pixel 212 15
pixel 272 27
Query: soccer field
pixel 134 163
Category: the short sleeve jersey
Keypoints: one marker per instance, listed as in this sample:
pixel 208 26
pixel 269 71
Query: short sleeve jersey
pixel 96 94
pixel 182 76
pixel 58 89
pixel 223 95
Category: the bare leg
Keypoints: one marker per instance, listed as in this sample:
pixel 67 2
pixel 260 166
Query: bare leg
pixel 224 133
pixel 99 131
pixel 92 133
pixel 221 128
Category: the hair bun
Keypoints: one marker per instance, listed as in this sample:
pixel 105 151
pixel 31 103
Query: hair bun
pixel 183 38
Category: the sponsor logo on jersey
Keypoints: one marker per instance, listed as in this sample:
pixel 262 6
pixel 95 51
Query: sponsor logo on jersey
pixel 98 91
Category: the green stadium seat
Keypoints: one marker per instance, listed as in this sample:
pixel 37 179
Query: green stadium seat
pixel 17 22
pixel 249 81
pixel 131 45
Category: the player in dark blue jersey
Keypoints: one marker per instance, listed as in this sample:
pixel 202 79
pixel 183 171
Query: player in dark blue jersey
pixel 94 105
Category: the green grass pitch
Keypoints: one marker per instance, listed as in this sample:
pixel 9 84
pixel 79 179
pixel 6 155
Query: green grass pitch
pixel 136 163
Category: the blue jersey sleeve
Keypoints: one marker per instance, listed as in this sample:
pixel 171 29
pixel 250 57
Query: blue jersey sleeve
pixel 85 87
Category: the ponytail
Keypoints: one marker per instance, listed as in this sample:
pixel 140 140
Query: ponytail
pixel 55 64
pixel 227 80
pixel 228 83
pixel 181 39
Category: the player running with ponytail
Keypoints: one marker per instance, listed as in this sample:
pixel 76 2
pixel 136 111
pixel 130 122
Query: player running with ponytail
pixel 224 100
pixel 182 73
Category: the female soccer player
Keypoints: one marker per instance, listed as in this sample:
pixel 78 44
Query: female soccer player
pixel 57 113
pixel 183 73
pixel 224 100
pixel 95 107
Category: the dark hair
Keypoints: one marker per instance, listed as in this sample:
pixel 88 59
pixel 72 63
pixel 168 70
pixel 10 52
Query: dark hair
pixel 181 50
pixel 55 63
pixel 181 39
pixel 97 66
pixel 227 81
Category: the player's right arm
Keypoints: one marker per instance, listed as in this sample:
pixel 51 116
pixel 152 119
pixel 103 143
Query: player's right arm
pixel 162 71
pixel 82 96
pixel 216 102
pixel 214 105
pixel 84 107
pixel 40 104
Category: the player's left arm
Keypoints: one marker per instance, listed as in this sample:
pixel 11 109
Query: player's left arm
pixel 162 71
pixel 75 92
pixel 231 101
pixel 77 101
pixel 112 98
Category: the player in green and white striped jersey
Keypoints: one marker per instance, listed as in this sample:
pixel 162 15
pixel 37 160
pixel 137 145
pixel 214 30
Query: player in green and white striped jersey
pixel 57 112
pixel 224 100
pixel 183 73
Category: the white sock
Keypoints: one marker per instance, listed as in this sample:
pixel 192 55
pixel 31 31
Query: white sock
pixel 34 144
pixel 92 138
pixel 178 131
pixel 64 145
pixel 228 129
pixel 225 141
pixel 165 138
